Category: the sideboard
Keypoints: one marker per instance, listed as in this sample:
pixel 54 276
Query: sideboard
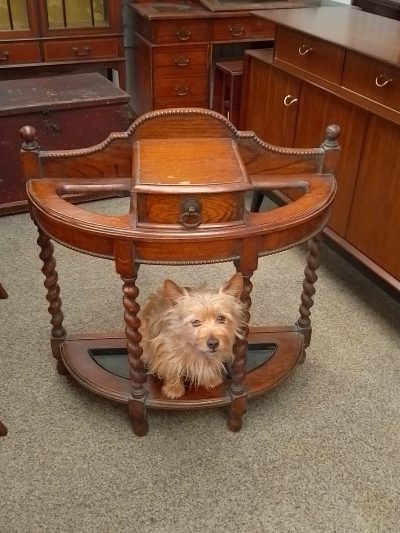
pixel 337 66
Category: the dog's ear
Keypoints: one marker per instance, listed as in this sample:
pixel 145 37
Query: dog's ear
pixel 172 291
pixel 233 286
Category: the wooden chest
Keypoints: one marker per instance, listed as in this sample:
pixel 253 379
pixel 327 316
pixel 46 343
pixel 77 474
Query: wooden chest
pixel 71 111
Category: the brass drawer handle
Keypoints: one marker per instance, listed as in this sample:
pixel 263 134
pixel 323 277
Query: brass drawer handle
pixel 85 51
pixel 237 31
pixel 181 61
pixel 182 90
pixel 4 55
pixel 382 81
pixel 304 49
pixel 183 34
pixel 289 100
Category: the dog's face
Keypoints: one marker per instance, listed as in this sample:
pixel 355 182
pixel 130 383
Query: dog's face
pixel 208 320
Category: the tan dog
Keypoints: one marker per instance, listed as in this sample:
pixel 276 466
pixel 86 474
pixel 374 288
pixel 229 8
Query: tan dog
pixel 189 334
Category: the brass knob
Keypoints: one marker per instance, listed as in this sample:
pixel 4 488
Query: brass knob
pixel 289 100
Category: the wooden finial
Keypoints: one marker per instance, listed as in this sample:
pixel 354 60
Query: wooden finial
pixel 332 133
pixel 28 134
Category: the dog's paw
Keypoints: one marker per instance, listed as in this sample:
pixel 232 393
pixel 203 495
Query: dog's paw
pixel 173 391
pixel 213 383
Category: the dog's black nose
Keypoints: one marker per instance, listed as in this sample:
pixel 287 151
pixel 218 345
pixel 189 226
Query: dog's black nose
pixel 213 344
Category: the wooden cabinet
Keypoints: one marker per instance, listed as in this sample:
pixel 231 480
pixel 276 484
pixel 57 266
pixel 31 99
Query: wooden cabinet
pixel 174 51
pixel 59 36
pixel 289 100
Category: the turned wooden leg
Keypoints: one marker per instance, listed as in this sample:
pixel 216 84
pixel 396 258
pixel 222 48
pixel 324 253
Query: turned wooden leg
pixel 137 373
pixel 58 333
pixel 310 277
pixel 237 390
pixel 3 429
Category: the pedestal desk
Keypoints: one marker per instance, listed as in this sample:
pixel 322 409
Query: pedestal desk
pixel 179 217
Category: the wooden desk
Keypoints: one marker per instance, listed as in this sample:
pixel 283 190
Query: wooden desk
pixel 343 66
pixel 220 229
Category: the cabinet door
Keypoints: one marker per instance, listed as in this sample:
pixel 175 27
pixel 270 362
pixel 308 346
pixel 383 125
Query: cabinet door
pixel 374 226
pixel 17 20
pixel 318 109
pixel 270 103
pixel 80 16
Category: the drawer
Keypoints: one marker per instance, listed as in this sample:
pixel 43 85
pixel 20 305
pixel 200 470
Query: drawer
pixel 180 60
pixel 180 31
pixel 12 53
pixel 242 29
pixel 373 79
pixel 181 89
pixel 81 49
pixel 316 56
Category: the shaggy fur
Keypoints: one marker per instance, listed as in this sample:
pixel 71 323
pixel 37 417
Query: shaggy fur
pixel 189 334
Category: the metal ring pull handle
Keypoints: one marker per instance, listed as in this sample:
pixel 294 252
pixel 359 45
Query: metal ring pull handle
pixel 289 100
pixel 237 31
pixel 181 61
pixel 190 216
pixel 183 34
pixel 181 91
pixel 383 83
pixel 304 49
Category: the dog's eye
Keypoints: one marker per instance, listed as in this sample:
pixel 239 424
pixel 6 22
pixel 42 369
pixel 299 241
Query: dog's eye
pixel 196 323
pixel 221 319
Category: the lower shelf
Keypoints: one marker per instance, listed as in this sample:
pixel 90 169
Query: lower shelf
pixel 99 363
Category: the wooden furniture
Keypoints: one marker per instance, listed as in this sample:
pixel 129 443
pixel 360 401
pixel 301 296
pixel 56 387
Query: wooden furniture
pixel 323 69
pixel 186 208
pixel 57 107
pixel 228 88
pixel 54 37
pixel 3 428
pixel 384 8
pixel 174 50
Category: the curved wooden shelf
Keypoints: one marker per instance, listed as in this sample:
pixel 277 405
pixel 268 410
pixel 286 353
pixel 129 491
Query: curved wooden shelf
pixel 84 369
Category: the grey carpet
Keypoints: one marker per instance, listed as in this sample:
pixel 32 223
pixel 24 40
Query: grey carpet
pixel 318 454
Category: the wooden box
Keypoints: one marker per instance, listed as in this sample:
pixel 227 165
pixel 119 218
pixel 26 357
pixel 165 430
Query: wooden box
pixel 177 174
pixel 71 111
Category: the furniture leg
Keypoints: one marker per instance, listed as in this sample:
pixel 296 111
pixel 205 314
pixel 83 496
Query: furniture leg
pixel 310 278
pixel 3 292
pixel 3 429
pixel 237 391
pixel 137 373
pixel 58 333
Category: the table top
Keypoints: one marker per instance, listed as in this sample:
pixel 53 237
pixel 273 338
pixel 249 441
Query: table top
pixel 366 33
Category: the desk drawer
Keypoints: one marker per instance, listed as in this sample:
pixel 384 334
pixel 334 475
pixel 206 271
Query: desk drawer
pixel 180 61
pixel 373 79
pixel 318 57
pixel 180 31
pixel 243 28
pixel 12 53
pixel 80 49
pixel 181 89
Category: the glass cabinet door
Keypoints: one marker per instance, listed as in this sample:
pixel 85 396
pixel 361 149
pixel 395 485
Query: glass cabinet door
pixel 70 14
pixel 14 16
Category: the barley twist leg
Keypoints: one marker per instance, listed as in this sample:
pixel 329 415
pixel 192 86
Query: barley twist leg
pixel 310 278
pixel 58 333
pixel 237 390
pixel 137 373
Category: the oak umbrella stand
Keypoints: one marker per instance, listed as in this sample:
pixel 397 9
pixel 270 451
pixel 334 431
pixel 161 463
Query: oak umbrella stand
pixel 187 172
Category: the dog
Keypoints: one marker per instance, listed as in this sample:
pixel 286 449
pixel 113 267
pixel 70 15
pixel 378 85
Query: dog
pixel 188 334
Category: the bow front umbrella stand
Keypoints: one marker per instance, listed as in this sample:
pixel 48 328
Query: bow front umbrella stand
pixel 187 172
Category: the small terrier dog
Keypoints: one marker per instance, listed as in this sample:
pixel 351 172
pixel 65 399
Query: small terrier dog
pixel 188 335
